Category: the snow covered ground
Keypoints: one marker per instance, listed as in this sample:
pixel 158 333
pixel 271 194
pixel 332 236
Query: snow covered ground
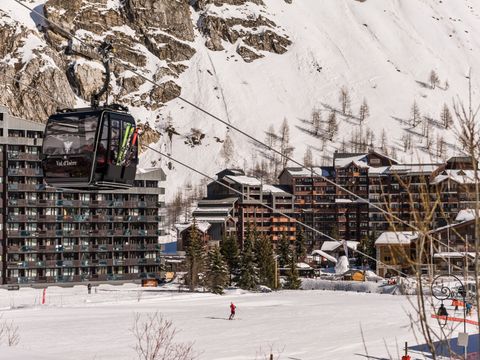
pixel 298 324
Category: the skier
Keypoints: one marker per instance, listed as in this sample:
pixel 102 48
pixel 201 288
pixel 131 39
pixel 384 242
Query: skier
pixel 89 288
pixel 442 311
pixel 232 311
pixel 469 308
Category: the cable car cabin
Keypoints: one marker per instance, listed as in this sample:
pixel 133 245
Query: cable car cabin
pixel 91 149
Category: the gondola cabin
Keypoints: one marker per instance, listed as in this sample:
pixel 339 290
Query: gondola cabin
pixel 91 149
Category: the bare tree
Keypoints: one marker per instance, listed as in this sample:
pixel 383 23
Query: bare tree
pixel 415 116
pixel 364 111
pixel 434 80
pixel 384 142
pixel 227 149
pixel 155 339
pixel 308 158
pixel 316 121
pixel 345 101
pixel 286 148
pixel 332 126
pixel 446 117
pixel 9 332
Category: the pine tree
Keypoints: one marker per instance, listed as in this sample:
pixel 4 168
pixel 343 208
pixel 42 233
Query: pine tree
pixel 217 274
pixel 300 248
pixel 364 111
pixel 366 246
pixel 283 250
pixel 446 117
pixel 293 281
pixel 248 274
pixel 265 262
pixel 230 252
pixel 195 255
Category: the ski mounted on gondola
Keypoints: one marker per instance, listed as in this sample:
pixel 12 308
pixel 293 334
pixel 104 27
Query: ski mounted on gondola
pixel 92 148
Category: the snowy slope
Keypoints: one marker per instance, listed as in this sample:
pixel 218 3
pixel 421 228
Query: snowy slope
pixel 377 49
pixel 307 325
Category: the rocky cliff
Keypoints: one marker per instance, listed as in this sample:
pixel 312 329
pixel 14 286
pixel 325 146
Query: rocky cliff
pixel 154 37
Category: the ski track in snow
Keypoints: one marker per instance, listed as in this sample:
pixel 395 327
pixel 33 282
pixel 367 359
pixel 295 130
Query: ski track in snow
pixel 308 325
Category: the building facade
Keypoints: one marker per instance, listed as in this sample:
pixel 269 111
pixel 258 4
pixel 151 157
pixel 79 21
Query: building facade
pixel 237 211
pixel 54 236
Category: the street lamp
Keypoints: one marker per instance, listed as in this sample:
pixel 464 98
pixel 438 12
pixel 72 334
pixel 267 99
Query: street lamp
pixel 446 293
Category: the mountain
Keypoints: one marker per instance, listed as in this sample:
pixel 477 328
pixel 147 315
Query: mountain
pixel 254 63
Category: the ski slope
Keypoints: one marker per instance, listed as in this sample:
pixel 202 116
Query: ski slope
pixel 306 325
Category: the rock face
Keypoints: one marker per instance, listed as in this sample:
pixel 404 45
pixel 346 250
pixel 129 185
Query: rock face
pixel 154 37
pixel 251 32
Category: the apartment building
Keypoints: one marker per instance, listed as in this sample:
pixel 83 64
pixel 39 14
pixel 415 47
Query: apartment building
pixel 239 206
pixel 54 236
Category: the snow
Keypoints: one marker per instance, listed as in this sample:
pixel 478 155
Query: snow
pixel 465 215
pixel 202 226
pixel 342 265
pixel 359 160
pixel 454 254
pixel 396 238
pixel 386 47
pixel 244 180
pixel 325 255
pixel 75 325
pixel 333 245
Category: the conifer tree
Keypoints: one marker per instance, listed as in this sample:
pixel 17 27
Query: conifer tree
pixel 195 254
pixel 230 253
pixel 364 111
pixel 293 281
pixel 283 250
pixel 217 274
pixel 265 261
pixel 248 274
pixel 300 248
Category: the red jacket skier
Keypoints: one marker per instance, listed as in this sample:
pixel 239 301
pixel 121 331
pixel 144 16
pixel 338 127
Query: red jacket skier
pixel 232 311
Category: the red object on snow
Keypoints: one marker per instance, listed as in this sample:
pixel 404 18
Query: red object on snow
pixel 44 296
pixel 448 318
pixel 406 357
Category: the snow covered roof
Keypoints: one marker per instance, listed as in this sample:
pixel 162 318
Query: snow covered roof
pixel 303 172
pixel 414 168
pixel 213 219
pixel 202 226
pixel 396 238
pixel 343 201
pixel 274 189
pixel 454 254
pixel 459 176
pixel 333 245
pixel 302 265
pixel 225 201
pixel 212 210
pixel 325 255
pixel 378 170
pixel 358 160
pixel 244 180
pixel 465 215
